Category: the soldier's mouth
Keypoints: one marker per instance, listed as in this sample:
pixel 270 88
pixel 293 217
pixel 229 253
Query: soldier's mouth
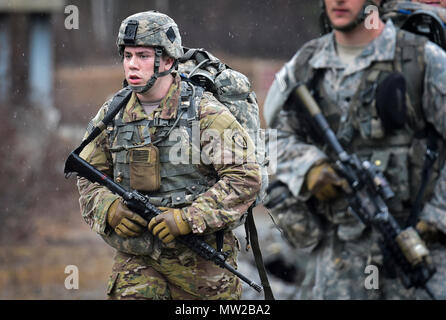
pixel 134 79
pixel 340 11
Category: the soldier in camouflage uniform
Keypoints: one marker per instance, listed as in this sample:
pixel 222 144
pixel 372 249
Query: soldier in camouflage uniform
pixel 177 144
pixel 348 70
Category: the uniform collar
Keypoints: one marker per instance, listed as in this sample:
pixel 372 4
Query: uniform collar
pixel 380 49
pixel 167 109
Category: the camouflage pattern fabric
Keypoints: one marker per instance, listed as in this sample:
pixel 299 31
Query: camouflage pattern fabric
pixel 154 29
pixel 233 89
pixel 339 246
pixel 391 8
pixel 141 277
pixel 222 205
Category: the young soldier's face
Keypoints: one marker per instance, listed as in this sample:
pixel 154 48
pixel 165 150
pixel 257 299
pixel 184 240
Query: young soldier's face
pixel 343 12
pixel 139 62
pixel 437 3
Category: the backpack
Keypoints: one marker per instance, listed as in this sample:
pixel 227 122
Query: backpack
pixel 232 89
pixel 418 18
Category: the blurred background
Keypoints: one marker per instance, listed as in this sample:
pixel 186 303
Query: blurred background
pixel 55 73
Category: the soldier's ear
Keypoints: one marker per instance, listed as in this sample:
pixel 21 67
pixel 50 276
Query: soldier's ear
pixel 168 62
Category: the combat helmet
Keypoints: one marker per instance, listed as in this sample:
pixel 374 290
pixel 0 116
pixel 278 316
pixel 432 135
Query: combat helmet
pixel 151 29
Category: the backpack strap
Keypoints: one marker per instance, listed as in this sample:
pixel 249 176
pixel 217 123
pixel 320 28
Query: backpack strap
pixel 197 54
pixel 300 66
pixel 295 71
pixel 409 60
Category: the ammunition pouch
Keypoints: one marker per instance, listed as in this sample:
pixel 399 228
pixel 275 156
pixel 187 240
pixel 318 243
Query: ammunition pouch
pixel 145 168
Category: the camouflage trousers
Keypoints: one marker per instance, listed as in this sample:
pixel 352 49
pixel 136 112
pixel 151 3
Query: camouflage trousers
pixel 336 271
pixel 141 277
pixel 339 262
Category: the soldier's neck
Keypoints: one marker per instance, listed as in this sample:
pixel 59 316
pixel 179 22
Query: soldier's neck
pixel 359 36
pixel 158 91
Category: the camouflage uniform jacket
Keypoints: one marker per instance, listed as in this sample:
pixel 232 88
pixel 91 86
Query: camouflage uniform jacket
pixel 222 204
pixel 344 236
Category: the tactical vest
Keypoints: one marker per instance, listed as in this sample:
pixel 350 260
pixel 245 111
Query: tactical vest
pixel 400 153
pixel 180 183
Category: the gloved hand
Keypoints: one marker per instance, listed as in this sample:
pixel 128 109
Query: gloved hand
pixel 324 183
pixel 169 224
pixel 125 222
pixel 427 231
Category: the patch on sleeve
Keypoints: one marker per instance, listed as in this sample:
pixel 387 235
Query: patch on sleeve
pixel 239 140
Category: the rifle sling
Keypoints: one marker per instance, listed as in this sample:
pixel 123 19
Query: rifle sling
pixel 119 100
pixel 431 156
pixel 258 256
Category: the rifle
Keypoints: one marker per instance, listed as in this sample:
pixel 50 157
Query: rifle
pixel 138 202
pixel 367 195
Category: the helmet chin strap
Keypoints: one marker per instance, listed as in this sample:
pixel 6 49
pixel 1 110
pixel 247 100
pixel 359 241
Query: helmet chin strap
pixel 156 73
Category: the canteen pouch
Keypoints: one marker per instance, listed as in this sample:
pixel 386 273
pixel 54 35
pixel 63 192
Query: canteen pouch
pixel 145 168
